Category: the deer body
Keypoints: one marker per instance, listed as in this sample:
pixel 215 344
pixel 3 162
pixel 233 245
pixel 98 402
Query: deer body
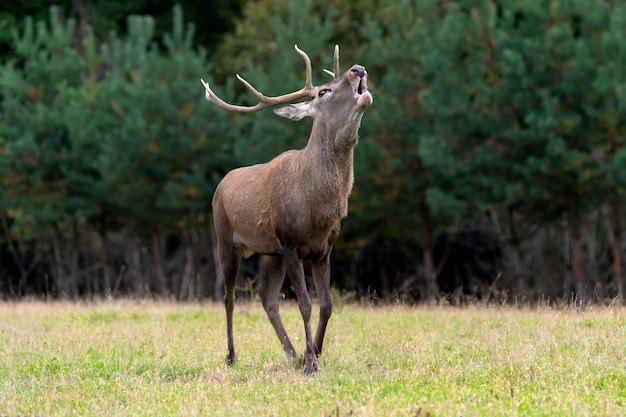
pixel 289 209
pixel 313 190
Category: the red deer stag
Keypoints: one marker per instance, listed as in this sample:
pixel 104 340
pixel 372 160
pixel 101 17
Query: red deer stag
pixel 289 209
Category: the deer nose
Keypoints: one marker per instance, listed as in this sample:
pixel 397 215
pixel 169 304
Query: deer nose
pixel 359 72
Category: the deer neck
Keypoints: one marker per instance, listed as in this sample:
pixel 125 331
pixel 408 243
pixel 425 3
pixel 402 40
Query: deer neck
pixel 334 140
pixel 330 157
pixel 332 147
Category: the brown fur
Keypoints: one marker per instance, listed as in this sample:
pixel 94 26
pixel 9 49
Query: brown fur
pixel 290 208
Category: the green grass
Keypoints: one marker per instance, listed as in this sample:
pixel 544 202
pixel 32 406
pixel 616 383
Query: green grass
pixel 164 359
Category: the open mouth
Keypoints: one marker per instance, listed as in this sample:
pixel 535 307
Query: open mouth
pixel 360 88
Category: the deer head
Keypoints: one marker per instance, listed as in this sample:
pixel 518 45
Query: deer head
pixel 290 208
pixel 320 94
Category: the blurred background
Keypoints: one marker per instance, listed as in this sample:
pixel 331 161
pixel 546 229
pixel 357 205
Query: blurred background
pixel 492 165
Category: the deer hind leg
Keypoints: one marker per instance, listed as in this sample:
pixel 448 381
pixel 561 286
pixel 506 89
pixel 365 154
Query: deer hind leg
pixel 272 284
pixel 295 271
pixel 321 278
pixel 229 261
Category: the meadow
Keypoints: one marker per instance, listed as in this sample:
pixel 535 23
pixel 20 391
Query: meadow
pixel 151 358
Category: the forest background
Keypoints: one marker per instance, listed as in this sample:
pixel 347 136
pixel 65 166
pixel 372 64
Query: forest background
pixel 492 164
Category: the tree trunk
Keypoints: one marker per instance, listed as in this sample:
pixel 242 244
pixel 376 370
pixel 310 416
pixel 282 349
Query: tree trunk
pixel 615 211
pixel 383 276
pixel 73 276
pixel 617 249
pixel 510 242
pixel 59 279
pixel 430 274
pixel 106 268
pixel 158 262
pixel 135 267
pixel 515 255
pixel 187 290
pixel 107 274
pixel 16 254
pixel 578 263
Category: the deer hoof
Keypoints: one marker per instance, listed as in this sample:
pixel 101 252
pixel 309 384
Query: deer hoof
pixel 231 359
pixel 311 365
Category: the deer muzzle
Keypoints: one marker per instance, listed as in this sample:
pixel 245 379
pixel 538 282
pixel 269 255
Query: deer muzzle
pixel 361 94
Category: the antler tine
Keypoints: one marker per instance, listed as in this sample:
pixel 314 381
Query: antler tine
pixel 336 61
pixel 265 101
pixel 334 74
pixel 211 96
pixel 308 84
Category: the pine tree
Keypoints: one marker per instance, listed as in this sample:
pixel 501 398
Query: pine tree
pixel 607 48
pixel 37 163
pixel 168 150
pixel 545 63
pixel 416 179
pixel 107 137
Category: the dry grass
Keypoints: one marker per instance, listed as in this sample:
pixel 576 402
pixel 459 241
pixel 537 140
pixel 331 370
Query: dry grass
pixel 153 358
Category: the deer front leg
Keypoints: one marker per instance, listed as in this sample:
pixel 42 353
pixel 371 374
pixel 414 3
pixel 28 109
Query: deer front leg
pixel 229 263
pixel 295 272
pixel 272 283
pixel 321 279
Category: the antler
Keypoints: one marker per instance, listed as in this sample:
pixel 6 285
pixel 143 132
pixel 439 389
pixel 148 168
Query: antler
pixel 334 74
pixel 336 68
pixel 264 101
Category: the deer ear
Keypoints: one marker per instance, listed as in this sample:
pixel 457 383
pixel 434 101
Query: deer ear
pixel 295 111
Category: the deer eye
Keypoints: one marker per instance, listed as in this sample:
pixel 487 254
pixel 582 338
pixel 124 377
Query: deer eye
pixel 323 91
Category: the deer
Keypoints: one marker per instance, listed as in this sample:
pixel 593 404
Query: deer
pixel 289 209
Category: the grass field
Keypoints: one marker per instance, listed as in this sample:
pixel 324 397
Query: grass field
pixel 130 358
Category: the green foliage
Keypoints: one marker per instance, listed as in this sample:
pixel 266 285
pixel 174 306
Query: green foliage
pixel 478 105
pixel 100 134
pixel 418 135
pixel 267 27
pixel 553 133
pixel 214 18
pixel 488 105
pixel 39 161
pixel 159 153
